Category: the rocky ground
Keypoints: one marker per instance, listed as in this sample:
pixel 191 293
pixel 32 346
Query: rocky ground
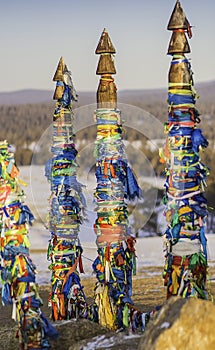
pixel 148 292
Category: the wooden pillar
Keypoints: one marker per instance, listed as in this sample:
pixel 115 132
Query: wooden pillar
pixel 185 272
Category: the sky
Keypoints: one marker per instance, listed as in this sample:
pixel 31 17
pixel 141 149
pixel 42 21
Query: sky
pixel 34 34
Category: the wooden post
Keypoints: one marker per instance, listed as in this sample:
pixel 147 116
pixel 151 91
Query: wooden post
pixel 115 182
pixel 185 272
pixel 67 299
pixel 18 272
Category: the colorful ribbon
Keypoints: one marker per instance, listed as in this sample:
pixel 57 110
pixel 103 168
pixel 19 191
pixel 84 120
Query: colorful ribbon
pixel 66 214
pixel 18 272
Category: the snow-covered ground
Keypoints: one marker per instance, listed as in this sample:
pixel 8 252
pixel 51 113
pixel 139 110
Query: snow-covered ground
pixel 149 250
pixel 149 253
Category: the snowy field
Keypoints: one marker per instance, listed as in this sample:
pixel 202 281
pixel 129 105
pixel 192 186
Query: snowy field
pixel 149 250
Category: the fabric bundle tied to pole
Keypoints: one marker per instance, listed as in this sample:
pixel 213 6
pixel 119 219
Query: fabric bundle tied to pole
pixel 18 272
pixel 67 204
pixel 185 272
pixel 116 182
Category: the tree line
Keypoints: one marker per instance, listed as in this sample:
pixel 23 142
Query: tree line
pixel 23 125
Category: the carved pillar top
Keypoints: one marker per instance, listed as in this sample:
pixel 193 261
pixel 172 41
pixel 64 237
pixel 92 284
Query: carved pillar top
pixel 106 93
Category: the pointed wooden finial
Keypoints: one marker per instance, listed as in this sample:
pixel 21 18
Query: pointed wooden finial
pixel 105 45
pixel 178 18
pixel 105 49
pixel 178 43
pixel 106 93
pixel 60 70
pixel 106 65
pixel 63 77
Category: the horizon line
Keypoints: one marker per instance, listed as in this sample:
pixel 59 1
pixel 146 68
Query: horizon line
pixel 93 91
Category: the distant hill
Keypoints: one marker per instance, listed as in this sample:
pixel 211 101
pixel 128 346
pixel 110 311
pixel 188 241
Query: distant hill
pixel 206 90
pixel 34 96
pixel 25 96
